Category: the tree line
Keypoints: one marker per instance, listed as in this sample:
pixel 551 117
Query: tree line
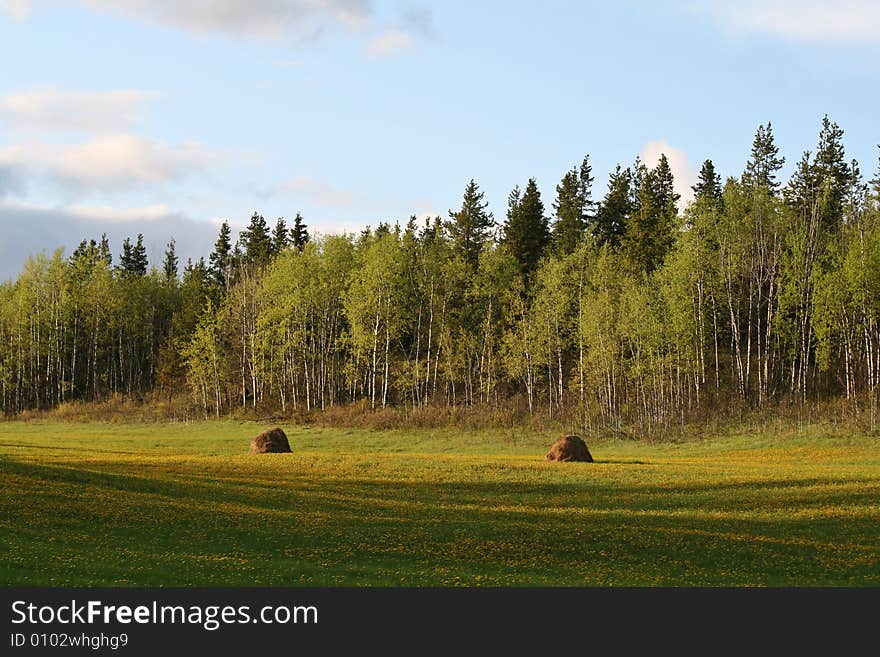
pixel 623 312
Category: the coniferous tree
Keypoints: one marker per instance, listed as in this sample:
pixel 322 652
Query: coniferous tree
pixel 471 227
pixel 821 181
pixel 526 233
pixel 639 174
pixel 764 163
pixel 134 257
pixel 280 237
pixel 875 181
pixel 256 241
pixel 831 172
pixel 708 187
pixel 572 206
pixel 220 263
pixel 652 225
pixel 169 265
pixel 104 250
pixel 299 235
pixel 87 252
pixel 614 211
pixel 663 187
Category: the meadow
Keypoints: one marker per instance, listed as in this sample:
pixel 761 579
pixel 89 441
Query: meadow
pixel 185 504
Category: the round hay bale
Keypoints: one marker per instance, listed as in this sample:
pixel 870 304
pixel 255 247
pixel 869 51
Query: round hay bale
pixel 569 448
pixel 271 441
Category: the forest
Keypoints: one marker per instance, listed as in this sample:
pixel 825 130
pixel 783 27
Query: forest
pixel 624 311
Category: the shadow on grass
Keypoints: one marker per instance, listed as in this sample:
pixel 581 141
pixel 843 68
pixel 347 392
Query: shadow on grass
pixel 187 527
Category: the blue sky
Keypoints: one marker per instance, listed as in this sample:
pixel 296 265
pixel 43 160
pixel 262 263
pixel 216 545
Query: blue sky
pixel 164 116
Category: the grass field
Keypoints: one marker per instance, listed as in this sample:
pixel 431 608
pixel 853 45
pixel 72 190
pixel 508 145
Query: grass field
pixel 106 504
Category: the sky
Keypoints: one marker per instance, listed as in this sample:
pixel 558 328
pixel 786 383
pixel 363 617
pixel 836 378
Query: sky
pixel 165 117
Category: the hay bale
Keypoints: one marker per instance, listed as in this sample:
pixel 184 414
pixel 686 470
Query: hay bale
pixel 271 441
pixel 569 448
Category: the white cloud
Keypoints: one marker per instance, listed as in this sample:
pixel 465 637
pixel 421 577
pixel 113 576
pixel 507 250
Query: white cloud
pixel 113 161
pixel 76 111
pixel 840 21
pixel 321 193
pixel 17 10
pixel 682 170
pixel 110 213
pixel 29 229
pixel 253 19
pixel 389 43
pixel 258 19
pixel 297 20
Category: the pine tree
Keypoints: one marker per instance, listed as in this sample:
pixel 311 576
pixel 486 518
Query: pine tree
pixel 875 181
pixel 104 250
pixel 831 172
pixel 652 225
pixel 765 162
pixel 801 187
pixel 614 211
pixel 663 188
pixel 280 237
pixel 708 187
pixel 639 173
pixel 220 257
pixel 298 234
pixel 471 227
pixel 169 265
pixel 134 257
pixel 526 233
pixel 572 207
pixel 256 241
pixel 821 181
pixel 86 254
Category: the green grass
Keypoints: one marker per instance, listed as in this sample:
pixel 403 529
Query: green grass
pixel 106 504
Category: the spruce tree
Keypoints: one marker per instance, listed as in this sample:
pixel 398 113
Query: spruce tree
pixel 614 211
pixel 86 254
pixel 875 181
pixel 572 207
pixel 663 188
pixel 764 163
pixel 104 250
pixel 280 237
pixel 831 172
pixel 298 234
pixel 652 225
pixel 821 181
pixel 471 227
pixel 256 241
pixel 134 257
pixel 220 258
pixel 708 188
pixel 526 233
pixel 169 265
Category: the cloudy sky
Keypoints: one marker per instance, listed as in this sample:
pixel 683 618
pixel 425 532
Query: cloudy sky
pixel 166 116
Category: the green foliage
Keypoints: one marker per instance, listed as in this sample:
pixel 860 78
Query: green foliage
pixel 572 206
pixel 651 227
pixel 635 320
pixel 765 163
pixel 471 227
pixel 299 234
pixel 134 257
pixel 612 217
pixel 280 237
pixel 707 191
pixel 526 233
pixel 221 258
pixel 169 264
